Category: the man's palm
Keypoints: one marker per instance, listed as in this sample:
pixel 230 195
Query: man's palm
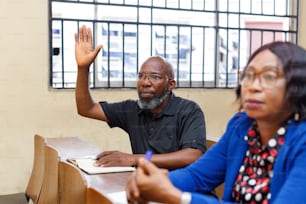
pixel 84 52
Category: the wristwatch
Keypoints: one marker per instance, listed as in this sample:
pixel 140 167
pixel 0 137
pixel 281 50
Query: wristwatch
pixel 186 198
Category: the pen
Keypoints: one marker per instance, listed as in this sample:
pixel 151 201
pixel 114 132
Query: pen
pixel 148 155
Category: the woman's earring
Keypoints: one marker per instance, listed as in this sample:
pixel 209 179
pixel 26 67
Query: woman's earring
pixel 296 116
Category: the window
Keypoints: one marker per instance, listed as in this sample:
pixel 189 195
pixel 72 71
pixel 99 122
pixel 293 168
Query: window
pixel 207 41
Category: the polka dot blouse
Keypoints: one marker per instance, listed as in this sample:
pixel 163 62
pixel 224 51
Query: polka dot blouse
pixel 253 181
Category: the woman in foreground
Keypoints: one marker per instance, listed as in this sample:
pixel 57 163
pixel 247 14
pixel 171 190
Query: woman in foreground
pixel 261 158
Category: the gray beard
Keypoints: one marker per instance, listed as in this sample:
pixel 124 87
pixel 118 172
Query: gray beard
pixel 153 103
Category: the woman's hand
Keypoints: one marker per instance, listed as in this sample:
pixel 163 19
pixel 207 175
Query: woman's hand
pixel 132 191
pixel 84 52
pixel 149 183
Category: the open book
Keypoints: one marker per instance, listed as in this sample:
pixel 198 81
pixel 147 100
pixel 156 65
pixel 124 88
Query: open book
pixel 87 165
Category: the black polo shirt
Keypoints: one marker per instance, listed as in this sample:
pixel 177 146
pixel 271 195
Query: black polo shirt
pixel 180 125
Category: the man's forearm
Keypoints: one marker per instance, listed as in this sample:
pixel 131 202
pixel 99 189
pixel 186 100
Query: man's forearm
pixel 84 100
pixel 176 159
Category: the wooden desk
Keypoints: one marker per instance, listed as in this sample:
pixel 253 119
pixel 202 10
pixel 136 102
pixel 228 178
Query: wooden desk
pixel 108 183
pixel 74 147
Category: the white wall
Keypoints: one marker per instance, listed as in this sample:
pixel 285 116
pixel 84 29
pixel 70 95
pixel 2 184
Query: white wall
pixel 29 106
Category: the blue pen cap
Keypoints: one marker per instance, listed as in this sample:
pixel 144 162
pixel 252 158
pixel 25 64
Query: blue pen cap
pixel 148 155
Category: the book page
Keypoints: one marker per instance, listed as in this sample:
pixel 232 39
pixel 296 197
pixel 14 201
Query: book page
pixel 87 165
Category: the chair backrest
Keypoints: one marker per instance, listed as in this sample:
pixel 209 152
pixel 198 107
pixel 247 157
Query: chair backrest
pixel 72 184
pixel 37 175
pixel 95 197
pixel 210 143
pixel 49 192
pixel 220 188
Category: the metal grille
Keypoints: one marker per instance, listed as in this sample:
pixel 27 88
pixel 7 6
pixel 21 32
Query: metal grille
pixel 207 41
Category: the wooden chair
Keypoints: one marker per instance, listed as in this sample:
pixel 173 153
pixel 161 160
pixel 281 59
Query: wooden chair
pixel 95 197
pixel 49 192
pixel 37 175
pixel 74 188
pixel 220 188
pixel 36 179
pixel 72 184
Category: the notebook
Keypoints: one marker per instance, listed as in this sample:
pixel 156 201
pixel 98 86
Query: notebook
pixel 87 165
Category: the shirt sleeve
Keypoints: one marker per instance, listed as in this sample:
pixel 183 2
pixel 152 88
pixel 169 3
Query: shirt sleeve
pixel 207 172
pixel 179 178
pixel 117 113
pixel 192 128
pixel 289 177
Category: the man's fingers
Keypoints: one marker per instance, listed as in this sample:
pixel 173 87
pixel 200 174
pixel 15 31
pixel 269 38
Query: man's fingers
pixel 81 36
pixel 83 33
pixel 76 38
pixel 89 35
pixel 98 48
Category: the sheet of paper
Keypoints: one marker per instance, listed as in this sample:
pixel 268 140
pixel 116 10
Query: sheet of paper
pixel 118 197
pixel 87 165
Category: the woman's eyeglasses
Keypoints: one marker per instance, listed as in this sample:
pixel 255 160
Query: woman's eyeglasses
pixel 267 78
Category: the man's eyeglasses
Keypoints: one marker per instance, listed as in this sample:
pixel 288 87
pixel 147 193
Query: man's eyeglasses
pixel 267 78
pixel 151 77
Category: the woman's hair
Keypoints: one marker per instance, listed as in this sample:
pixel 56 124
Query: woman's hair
pixel 293 59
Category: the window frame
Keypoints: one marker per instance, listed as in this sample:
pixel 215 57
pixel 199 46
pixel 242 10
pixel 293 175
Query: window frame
pixel 221 53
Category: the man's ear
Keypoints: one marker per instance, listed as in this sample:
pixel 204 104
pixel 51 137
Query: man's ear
pixel 172 84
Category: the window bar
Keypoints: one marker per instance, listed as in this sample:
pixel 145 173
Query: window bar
pixel 217 34
pixel 227 47
pixel 178 56
pixel 203 59
pixel 250 41
pixel 190 54
pixel 123 55
pixel 108 54
pixel 137 39
pixel 62 54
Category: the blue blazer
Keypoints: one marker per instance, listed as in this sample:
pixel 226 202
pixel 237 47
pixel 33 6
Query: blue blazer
pixel 222 161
